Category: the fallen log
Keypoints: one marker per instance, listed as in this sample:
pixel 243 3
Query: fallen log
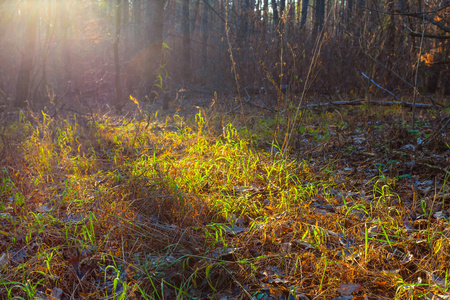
pixel 379 103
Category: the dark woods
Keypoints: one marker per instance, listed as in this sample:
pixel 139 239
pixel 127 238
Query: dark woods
pixel 101 52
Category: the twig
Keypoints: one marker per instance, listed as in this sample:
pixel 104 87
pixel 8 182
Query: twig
pixel 263 107
pixel 423 16
pixel 401 153
pixel 233 62
pixel 239 106
pixel 404 13
pixel 380 87
pixel 434 167
pixel 313 149
pixel 436 134
pixel 77 112
pixel 427 35
pixel 214 11
pixel 367 153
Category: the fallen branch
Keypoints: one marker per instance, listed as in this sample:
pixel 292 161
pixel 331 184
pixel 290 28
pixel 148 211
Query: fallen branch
pixel 380 103
pixel 263 107
pixel 247 99
pixel 435 102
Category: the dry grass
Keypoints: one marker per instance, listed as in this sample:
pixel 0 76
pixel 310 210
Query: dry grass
pixel 202 208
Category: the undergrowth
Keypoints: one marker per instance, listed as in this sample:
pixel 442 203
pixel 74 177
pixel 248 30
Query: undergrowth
pixel 122 209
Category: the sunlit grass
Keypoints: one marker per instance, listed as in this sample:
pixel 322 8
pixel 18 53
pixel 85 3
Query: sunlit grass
pixel 177 210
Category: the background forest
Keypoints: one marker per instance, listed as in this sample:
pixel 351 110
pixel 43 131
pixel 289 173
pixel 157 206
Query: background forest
pixel 103 51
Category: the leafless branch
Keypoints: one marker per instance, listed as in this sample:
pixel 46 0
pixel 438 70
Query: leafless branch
pixel 431 36
pixel 386 67
pixel 380 87
pixel 428 18
pixel 426 142
pixel 404 13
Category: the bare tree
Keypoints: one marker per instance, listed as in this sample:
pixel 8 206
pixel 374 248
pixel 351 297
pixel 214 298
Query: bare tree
pixel 305 5
pixel 186 41
pixel 30 17
pixel 137 22
pixel 319 15
pixel 276 18
pixel 205 32
pixel 265 11
pixel 118 87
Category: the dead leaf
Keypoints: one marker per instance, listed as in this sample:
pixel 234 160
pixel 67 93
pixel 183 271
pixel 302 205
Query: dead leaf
pixel 343 298
pixel 286 247
pixel 20 256
pixel 233 230
pixel 348 288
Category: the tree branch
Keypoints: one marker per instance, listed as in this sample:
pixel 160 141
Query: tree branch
pixel 431 36
pixel 424 16
pixel 403 13
pixel 380 87
pixel 384 66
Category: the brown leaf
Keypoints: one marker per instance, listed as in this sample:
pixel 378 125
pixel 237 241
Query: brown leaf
pixel 348 288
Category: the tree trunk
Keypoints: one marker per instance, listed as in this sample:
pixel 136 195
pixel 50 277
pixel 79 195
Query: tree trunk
pixel 125 12
pixel 205 34
pixel 244 20
pixel 349 10
pixel 291 18
pixel 118 97
pixel 361 17
pixel 276 18
pixel 305 4
pixel 158 24
pixel 157 29
pixel 125 28
pixel 137 25
pixel 282 8
pixel 392 41
pixel 153 51
pixel 48 31
pixel 64 24
pixel 30 15
pixel 186 42
pixel 265 10
pixel 319 16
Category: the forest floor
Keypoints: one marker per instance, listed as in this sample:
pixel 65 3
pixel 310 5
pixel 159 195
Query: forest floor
pixel 207 203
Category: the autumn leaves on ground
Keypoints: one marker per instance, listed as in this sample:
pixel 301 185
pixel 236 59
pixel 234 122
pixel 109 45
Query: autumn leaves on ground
pixel 207 206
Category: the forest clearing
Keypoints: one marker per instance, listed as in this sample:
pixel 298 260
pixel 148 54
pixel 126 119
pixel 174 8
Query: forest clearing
pixel 176 207
pixel 209 149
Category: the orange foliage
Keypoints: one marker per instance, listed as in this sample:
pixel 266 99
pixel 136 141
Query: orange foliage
pixel 427 57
